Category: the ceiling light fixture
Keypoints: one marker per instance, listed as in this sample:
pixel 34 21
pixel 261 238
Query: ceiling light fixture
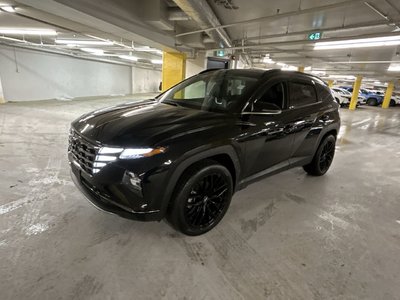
pixel 349 77
pixel 156 61
pixel 128 57
pixel 84 42
pixel 8 9
pixel 94 51
pixel 359 43
pixel 20 31
pixel 394 68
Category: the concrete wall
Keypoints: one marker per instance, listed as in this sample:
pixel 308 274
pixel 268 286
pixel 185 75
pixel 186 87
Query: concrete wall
pixel 145 80
pixel 33 75
pixel 194 66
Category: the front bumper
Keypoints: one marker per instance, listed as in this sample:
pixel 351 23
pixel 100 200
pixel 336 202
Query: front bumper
pixel 106 202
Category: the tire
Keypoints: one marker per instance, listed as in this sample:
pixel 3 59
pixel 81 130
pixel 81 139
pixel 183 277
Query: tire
pixel 392 102
pixel 372 102
pixel 323 157
pixel 205 181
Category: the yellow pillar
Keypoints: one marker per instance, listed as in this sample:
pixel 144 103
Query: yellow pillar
pixel 356 90
pixel 173 69
pixel 300 69
pixel 388 95
pixel 330 83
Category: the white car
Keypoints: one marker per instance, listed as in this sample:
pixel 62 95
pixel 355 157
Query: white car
pixel 343 97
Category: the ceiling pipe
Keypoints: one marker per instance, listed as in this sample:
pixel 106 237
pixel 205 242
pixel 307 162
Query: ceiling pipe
pixel 271 17
pixel 203 15
pixel 307 42
pixel 381 13
pixel 328 29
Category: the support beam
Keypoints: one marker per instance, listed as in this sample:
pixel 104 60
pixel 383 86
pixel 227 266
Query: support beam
pixel 300 69
pixel 330 83
pixel 388 95
pixel 173 69
pixel 356 90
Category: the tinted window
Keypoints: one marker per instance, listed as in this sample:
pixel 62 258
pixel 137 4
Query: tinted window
pixel 274 95
pixel 301 94
pixel 324 94
pixel 214 91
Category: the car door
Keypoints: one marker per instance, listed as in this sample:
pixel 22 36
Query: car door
pixel 305 112
pixel 266 136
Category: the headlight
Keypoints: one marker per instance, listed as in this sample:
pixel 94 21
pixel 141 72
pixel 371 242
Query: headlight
pixel 140 152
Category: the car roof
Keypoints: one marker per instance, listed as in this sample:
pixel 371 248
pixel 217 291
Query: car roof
pixel 266 73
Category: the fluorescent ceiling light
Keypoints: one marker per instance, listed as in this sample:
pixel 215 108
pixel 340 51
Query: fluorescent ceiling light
pixel 27 31
pixel 156 61
pixel 342 77
pixel 84 42
pixel 94 51
pixel 128 57
pixel 359 43
pixel 281 64
pixel 394 68
pixel 8 8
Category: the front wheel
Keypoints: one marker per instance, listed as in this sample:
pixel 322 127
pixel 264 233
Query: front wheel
pixel 201 198
pixel 392 102
pixel 323 157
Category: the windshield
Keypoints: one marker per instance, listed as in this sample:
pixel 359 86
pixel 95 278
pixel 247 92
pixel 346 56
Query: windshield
pixel 220 91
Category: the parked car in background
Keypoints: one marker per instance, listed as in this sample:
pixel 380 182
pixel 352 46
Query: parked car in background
pixel 185 153
pixel 372 98
pixel 393 101
pixel 343 97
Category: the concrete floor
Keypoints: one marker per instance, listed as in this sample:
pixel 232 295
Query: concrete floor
pixel 290 236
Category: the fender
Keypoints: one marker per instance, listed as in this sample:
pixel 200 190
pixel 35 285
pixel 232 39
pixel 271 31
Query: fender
pixel 189 159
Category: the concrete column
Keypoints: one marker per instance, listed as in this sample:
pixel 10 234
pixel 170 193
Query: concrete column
pixel 300 69
pixel 356 90
pixel 173 69
pixel 388 95
pixel 330 83
pixel 2 100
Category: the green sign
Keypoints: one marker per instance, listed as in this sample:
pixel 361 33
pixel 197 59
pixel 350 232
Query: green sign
pixel 315 36
pixel 220 53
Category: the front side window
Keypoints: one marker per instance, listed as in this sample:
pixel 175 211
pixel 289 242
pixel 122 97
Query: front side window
pixel 301 94
pixel 219 91
pixel 274 96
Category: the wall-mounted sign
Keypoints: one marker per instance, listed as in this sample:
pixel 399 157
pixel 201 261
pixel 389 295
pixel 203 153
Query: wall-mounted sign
pixel 315 36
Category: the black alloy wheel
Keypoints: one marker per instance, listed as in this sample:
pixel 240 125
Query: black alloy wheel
pixel 201 199
pixel 323 157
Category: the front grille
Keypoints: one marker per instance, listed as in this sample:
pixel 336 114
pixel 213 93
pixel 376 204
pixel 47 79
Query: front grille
pixel 83 152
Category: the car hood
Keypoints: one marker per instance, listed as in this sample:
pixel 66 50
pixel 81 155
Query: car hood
pixel 145 123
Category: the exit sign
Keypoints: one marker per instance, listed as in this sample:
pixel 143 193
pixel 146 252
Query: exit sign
pixel 315 36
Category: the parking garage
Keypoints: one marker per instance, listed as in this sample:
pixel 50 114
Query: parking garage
pixel 287 236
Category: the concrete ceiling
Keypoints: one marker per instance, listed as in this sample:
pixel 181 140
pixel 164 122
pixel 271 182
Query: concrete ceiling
pixel 251 29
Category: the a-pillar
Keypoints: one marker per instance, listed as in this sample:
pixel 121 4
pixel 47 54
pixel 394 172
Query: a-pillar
pixel 173 69
pixel 356 90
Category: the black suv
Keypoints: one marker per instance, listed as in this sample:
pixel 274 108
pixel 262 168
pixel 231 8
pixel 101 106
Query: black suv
pixel 183 154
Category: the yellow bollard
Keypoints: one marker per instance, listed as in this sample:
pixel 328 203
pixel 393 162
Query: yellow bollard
pixel 173 69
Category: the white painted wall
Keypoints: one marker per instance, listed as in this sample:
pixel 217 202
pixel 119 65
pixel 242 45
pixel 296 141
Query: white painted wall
pixel 194 66
pixel 145 80
pixel 33 75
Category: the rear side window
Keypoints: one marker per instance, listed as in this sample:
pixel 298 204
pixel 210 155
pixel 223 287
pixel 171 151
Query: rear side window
pixel 324 94
pixel 301 94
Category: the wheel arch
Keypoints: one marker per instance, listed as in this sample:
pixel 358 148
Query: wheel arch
pixel 224 155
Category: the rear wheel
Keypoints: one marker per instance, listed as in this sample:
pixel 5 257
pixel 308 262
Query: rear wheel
pixel 392 102
pixel 201 198
pixel 372 102
pixel 323 157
